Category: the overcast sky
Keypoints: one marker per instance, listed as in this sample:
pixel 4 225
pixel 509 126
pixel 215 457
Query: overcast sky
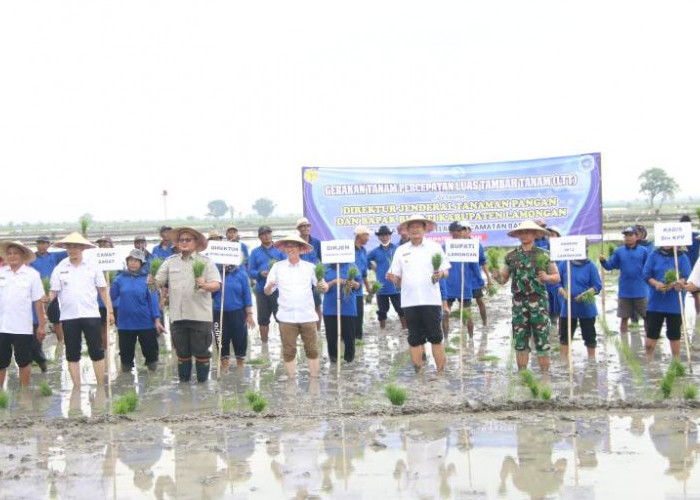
pixel 105 104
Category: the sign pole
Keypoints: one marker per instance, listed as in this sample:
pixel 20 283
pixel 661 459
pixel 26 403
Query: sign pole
pixel 680 302
pixel 461 317
pixel 337 305
pixel 220 340
pixel 107 350
pixel 568 325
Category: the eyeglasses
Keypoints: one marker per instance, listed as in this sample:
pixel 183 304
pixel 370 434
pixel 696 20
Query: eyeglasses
pixel 290 245
pixel 185 240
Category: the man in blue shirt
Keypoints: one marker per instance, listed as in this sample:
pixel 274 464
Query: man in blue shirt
pixel 380 259
pixel 632 288
pixel 314 257
pixel 361 239
pixel 232 234
pixel 165 248
pixel 262 259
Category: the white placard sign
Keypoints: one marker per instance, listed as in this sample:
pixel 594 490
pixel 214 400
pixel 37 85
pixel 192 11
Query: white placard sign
pixel 673 234
pixel 108 259
pixel 568 248
pixel 464 250
pixel 227 253
pixel 338 251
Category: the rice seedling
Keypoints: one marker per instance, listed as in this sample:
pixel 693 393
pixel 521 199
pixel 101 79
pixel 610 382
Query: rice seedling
pixel 667 386
pixel 677 368
pixel 46 283
pixel 4 399
pixel 359 342
pixel 697 212
pixel 609 249
pixel 546 393
pixel 126 403
pixel 396 394
pixel 259 404
pixel 632 362
pixel 153 270
pixel 588 297
pixel 251 396
pixel 352 274
pixel 489 358
pixel 257 362
pixel 450 350
pixel 320 272
pixel 84 224
pixel 670 276
pixel 542 262
pixel 465 312
pixel 527 377
pixel 45 389
pixel 198 267
pixel 535 389
pixel 493 258
pixel 229 405
pixel 375 286
pixel 690 392
pixel 110 276
pixel 437 262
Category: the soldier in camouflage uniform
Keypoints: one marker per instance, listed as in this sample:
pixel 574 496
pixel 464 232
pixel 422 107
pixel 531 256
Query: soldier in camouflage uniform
pixel 530 268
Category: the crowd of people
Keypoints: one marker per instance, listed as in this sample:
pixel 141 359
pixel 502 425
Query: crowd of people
pixel 289 283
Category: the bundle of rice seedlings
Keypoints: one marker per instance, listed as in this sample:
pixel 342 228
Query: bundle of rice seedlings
pixel 677 368
pixel 450 349
pixel 396 394
pixel 437 262
pixel 45 389
pixel 542 261
pixel 527 377
pixel 126 403
pixel 374 287
pixel 153 270
pixel 588 297
pixel 493 258
pixel 198 267
pixel 670 276
pixel 256 401
pixel 690 392
pixel 546 393
pixel 320 272
pixel 667 385
pixel 46 283
pixel 251 395
pixel 352 274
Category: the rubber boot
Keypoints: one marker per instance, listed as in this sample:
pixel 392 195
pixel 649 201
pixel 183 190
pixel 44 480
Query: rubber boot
pixel 184 370
pixel 202 371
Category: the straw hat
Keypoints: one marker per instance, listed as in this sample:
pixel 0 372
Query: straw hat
pixel 360 230
pixel 200 238
pixel 74 239
pixel 214 235
pixel 528 225
pixel 554 229
pixel 429 224
pixel 305 247
pixel 29 255
pixel 303 221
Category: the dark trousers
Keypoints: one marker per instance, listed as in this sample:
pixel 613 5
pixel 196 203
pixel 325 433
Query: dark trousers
pixel 37 349
pixel 360 316
pixel 74 329
pixel 235 332
pixel 347 332
pixel 383 305
pixel 148 340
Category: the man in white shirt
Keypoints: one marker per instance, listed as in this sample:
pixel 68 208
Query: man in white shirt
pixel 20 290
pixel 296 312
pixel 412 270
pixel 693 283
pixel 74 281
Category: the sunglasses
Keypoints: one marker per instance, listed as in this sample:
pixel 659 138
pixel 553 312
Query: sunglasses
pixel 185 240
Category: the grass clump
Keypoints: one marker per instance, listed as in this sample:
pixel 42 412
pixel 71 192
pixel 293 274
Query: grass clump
pixel 45 389
pixel 667 386
pixel 675 370
pixel 126 403
pixel 690 392
pixel 396 394
pixel 4 399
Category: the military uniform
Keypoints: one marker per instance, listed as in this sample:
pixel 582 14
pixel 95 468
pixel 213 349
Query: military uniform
pixel 530 303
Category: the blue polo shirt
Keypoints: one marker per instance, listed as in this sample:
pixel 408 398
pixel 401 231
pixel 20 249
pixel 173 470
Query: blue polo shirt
pixel 138 306
pixel 348 304
pixel 236 293
pixel 630 261
pixel 163 253
pixel 475 272
pixel 46 263
pixel 260 261
pixel 382 257
pixel 656 266
pixel 583 276
pixel 362 265
pixel 542 243
pixel 315 255
pixel 694 249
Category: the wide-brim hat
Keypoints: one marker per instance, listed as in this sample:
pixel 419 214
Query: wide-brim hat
pixel 214 235
pixel 528 225
pixel 29 255
pixel 360 230
pixel 305 247
pixel 74 239
pixel 302 221
pixel 383 230
pixel 201 239
pixel 429 224
pixel 554 229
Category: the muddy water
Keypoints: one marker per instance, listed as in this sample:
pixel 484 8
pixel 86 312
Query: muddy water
pixel 453 437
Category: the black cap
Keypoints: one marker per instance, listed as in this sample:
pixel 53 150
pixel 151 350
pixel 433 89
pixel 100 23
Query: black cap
pixel 455 226
pixel 383 230
pixel 165 228
pixel 264 229
pixel 685 218
pixel 629 230
pixel 43 239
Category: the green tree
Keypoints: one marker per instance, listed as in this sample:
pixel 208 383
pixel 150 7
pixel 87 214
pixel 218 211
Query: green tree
pixel 264 207
pixel 217 208
pixel 656 183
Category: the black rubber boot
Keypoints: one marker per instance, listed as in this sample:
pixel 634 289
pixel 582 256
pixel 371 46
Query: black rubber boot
pixel 202 371
pixel 184 370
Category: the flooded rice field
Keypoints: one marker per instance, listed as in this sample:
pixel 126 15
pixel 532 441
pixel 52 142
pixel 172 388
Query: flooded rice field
pixel 476 431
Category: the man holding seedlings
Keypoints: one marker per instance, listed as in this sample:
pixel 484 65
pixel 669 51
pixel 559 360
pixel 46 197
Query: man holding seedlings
pixel 417 268
pixel 660 273
pixel 531 269
pixel 74 281
pixel 21 292
pixel 191 279
pixel 380 258
pixel 632 288
pixel 262 259
pixel 361 239
pixel 294 279
pixel 314 257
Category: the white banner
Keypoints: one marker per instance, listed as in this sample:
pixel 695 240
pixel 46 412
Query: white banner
pixel 464 250
pixel 568 248
pixel 338 251
pixel 108 259
pixel 227 253
pixel 673 234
